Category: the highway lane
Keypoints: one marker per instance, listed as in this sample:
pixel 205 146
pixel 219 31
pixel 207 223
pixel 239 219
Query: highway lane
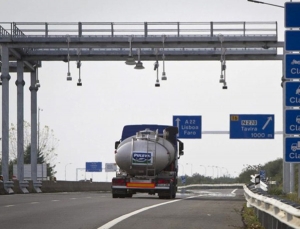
pixel 91 210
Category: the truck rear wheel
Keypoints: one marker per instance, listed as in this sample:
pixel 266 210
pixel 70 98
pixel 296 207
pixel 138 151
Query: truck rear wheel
pixel 115 195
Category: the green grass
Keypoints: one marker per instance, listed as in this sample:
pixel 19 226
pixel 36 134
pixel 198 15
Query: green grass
pixel 249 218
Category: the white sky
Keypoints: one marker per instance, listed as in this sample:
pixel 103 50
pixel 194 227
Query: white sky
pixel 88 120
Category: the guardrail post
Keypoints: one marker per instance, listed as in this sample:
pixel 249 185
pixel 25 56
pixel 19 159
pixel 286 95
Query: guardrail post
pixel 112 29
pixel 276 31
pixel 145 29
pixel 13 29
pixel 178 29
pixel 211 29
pixel 79 29
pixel 46 29
pixel 244 29
pixel 289 217
pixel 276 210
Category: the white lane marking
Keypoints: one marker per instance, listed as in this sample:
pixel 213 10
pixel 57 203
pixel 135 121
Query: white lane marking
pixel 34 202
pixel 73 198
pixel 8 206
pixel 54 200
pixel 121 218
pixel 233 192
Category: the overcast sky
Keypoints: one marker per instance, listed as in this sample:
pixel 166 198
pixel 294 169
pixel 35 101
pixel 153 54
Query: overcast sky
pixel 88 120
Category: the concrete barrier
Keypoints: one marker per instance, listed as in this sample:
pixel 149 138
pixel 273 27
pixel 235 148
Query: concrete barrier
pixel 61 186
pixel 75 186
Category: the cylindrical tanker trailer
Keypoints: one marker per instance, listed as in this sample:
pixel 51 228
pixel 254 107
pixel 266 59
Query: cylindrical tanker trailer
pixel 147 157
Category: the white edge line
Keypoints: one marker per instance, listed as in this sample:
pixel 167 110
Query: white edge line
pixel 121 218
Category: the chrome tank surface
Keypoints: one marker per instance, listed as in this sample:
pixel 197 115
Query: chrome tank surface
pixel 144 154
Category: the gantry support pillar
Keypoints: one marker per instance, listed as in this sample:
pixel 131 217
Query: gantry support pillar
pixel 33 89
pixel 5 77
pixel 20 127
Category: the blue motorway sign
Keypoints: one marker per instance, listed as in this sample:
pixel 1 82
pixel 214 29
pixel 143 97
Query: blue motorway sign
pixel 93 166
pixel 292 150
pixel 292 94
pixel 292 66
pixel 252 126
pixel 292 14
pixel 262 174
pixel 188 126
pixel 292 121
pixel 292 38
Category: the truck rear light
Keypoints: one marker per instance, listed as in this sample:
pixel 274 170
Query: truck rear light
pixel 163 183
pixel 119 182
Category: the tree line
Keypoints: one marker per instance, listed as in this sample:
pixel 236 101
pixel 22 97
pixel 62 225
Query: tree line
pixel 273 171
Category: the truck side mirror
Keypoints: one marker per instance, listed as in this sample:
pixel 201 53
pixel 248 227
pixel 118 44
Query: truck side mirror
pixel 181 148
pixel 117 144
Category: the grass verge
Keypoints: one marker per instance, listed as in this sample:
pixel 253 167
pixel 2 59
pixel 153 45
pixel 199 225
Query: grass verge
pixel 249 218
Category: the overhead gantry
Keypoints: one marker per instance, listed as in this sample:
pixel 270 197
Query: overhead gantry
pixel 25 45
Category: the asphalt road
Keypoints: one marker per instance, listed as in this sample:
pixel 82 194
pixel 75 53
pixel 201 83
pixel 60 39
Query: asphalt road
pixel 201 209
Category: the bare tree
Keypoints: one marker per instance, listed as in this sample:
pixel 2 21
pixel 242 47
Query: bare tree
pixel 47 142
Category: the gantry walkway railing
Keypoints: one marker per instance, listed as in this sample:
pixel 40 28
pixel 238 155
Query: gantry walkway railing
pixel 112 41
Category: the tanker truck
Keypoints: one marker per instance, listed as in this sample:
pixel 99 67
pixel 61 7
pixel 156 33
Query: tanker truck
pixel 147 159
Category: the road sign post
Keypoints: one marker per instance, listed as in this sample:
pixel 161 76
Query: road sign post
pixel 251 126
pixel 188 126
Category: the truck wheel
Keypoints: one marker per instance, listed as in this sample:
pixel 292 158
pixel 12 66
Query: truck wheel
pixel 174 196
pixel 115 196
pixel 129 195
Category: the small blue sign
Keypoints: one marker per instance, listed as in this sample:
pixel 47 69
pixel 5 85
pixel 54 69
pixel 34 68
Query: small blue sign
pixel 292 38
pixel 262 174
pixel 292 150
pixel 93 166
pixel 292 121
pixel 292 14
pixel 292 94
pixel 252 126
pixel 183 179
pixel 292 66
pixel 188 126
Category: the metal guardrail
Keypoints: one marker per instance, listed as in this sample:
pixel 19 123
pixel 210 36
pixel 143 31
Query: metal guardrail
pixel 145 29
pixel 212 186
pixel 273 212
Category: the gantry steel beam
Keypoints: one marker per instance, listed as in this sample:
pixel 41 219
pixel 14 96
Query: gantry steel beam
pixel 177 41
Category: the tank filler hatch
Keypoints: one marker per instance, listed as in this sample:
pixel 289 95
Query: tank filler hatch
pixel 147 134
